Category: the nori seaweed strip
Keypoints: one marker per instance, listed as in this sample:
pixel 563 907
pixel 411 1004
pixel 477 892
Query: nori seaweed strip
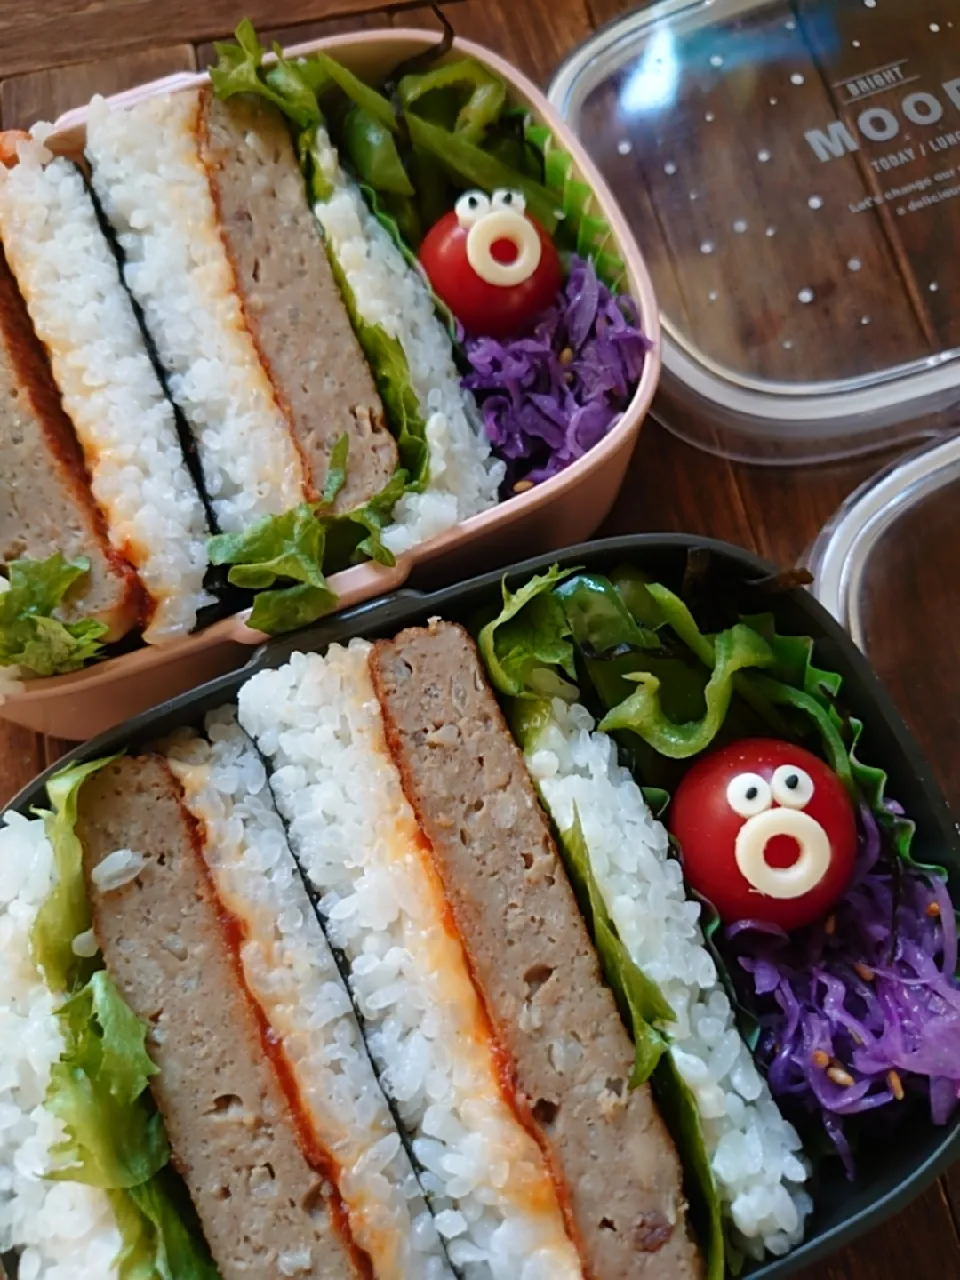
pixel 421 62
pixel 188 445
pixel 343 968
pixel 229 599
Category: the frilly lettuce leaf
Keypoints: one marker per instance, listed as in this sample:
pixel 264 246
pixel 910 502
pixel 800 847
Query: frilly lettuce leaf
pixel 161 1238
pixel 582 229
pixel 286 558
pixel 734 650
pixel 513 646
pixel 288 549
pixel 391 226
pixel 240 69
pixel 65 911
pixel 114 1139
pixel 30 636
pixel 319 186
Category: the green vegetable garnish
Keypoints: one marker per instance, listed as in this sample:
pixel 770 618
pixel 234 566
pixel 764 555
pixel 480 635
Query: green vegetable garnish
pixel 286 558
pixel 680 1113
pixel 162 1239
pixel 530 632
pixel 114 1137
pixel 289 547
pixel 391 372
pixel 475 97
pixel 733 650
pixel 30 635
pixel 240 69
pixel 65 912
pixel 373 154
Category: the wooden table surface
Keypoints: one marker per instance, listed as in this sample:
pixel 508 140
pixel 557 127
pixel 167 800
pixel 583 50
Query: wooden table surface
pixel 55 53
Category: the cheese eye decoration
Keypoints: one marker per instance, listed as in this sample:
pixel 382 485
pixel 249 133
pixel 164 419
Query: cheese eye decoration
pixel 792 787
pixel 767 832
pixel 471 207
pixel 749 794
pixel 509 200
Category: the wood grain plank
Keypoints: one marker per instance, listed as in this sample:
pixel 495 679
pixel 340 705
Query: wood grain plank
pixel 21 758
pixel 603 11
pixel 789 506
pixel 920 1243
pixel 672 488
pixel 44 95
pixel 951 1185
pixel 49 33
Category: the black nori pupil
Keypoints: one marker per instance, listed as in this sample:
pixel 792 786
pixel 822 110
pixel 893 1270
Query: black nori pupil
pixel 793 782
pixel 751 793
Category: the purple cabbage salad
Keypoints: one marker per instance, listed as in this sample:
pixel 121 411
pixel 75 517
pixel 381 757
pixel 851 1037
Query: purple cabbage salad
pixel 551 395
pixel 862 1010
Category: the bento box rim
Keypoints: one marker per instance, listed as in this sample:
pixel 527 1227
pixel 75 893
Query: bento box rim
pixel 364 578
pixel 408 606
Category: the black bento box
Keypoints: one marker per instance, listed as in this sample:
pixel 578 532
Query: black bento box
pixel 892 1173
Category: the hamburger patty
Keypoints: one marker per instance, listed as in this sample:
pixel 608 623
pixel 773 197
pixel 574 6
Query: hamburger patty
pixel 45 502
pixel 532 958
pixel 264 1210
pixel 291 301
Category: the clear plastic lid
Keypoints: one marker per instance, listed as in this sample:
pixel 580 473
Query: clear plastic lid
pixel 885 567
pixel 792 174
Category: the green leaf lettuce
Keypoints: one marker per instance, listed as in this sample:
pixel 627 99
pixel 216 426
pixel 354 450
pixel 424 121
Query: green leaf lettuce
pixel 65 912
pixel 30 635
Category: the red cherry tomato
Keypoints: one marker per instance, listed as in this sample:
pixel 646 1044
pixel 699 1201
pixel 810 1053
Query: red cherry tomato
pixel 767 832
pixel 488 310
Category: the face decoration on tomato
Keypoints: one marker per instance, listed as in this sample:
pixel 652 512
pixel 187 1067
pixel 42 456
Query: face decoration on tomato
pixel 767 832
pixel 492 264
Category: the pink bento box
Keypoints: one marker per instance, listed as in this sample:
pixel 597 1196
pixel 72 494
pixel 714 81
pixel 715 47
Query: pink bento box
pixel 564 510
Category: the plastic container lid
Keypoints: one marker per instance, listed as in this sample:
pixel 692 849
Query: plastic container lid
pixel 793 177
pixel 885 567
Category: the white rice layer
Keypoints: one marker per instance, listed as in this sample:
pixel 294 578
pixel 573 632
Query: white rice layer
pixel 318 720
pixel 65 1230
pixel 149 175
pixel 464 478
pixel 68 275
pixel 291 973
pixel 756 1155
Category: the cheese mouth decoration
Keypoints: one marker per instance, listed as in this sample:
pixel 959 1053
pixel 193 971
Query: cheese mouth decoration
pixel 774 810
pixel 503 247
